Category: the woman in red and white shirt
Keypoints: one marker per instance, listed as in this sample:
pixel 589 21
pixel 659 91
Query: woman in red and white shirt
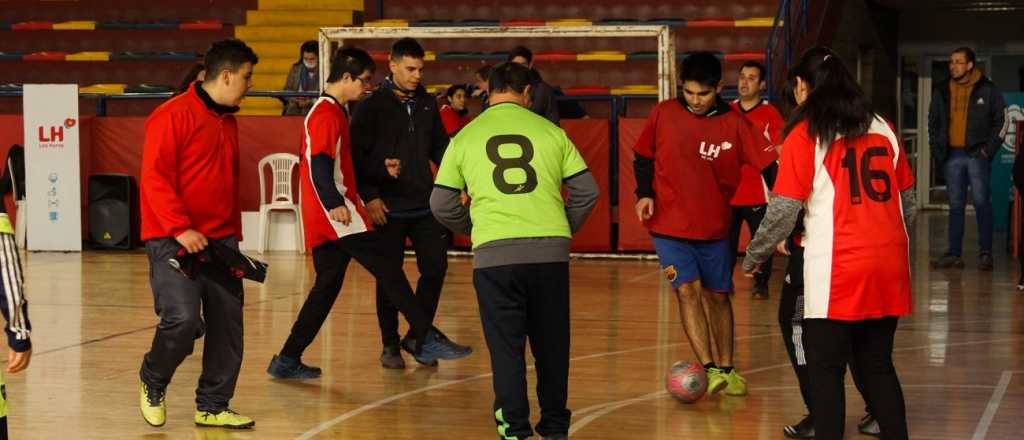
pixel 844 166
pixel 454 114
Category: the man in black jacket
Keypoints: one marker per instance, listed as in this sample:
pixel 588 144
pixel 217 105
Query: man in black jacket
pixel 542 94
pixel 401 121
pixel 964 120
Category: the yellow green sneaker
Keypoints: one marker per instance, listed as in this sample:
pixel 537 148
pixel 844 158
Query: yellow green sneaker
pixel 153 405
pixel 226 418
pixel 716 380
pixel 737 385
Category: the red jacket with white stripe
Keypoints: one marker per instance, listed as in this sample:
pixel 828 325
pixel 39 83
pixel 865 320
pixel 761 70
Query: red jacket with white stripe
pixel 327 176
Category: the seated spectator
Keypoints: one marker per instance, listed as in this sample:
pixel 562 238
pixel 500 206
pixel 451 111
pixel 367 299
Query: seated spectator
pixel 454 113
pixel 304 77
pixel 479 86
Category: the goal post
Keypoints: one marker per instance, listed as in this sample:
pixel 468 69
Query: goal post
pixel 666 77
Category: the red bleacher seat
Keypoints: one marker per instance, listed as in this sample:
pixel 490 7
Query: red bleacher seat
pixel 562 55
pixel 201 25
pixel 524 22
pixel 586 90
pixel 46 56
pixel 745 56
pixel 32 26
pixel 712 22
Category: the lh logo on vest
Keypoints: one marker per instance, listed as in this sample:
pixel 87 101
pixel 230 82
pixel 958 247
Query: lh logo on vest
pixel 711 151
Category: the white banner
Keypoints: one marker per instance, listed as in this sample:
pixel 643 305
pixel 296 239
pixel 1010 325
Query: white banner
pixel 52 178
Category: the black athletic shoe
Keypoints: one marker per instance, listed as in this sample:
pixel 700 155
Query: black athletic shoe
pixel 804 429
pixel 391 358
pixel 985 262
pixel 284 367
pixel 409 346
pixel 436 346
pixel 869 426
pixel 947 261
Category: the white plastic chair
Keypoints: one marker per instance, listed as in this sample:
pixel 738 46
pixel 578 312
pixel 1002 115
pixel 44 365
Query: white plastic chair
pixel 282 165
pixel 21 213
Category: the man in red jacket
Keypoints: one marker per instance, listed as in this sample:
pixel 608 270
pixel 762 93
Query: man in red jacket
pixel 750 201
pixel 189 196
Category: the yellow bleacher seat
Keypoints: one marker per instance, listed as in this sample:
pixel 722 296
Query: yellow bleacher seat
pixel 88 56
pixel 756 22
pixel 635 89
pixel 105 89
pixel 602 55
pixel 570 22
pixel 80 25
pixel 429 55
pixel 390 22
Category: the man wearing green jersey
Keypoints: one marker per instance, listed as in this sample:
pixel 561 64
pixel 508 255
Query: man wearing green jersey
pixel 513 163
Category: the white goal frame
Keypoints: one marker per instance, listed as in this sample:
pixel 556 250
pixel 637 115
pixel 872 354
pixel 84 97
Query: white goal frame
pixel 666 78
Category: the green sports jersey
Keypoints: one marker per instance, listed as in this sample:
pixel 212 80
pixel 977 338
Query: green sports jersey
pixel 512 163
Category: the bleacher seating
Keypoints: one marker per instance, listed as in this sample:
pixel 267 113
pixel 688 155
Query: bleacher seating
pixel 138 43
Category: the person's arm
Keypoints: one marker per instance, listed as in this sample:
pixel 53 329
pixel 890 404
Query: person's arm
pixel 159 174
pixel 757 150
pixel 792 187
pixel 583 194
pixel 643 167
pixel 449 210
pixel 14 307
pixel 997 118
pixel 778 223
pixel 909 199
pixel 905 184
pixel 445 200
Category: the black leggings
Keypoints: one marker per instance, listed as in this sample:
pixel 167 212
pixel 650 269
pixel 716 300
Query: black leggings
pixel 831 345
pixel 791 322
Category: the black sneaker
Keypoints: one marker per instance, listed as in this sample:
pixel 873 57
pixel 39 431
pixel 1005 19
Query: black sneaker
pixel 284 367
pixel 985 262
pixel 391 358
pixel 804 429
pixel 436 346
pixel 948 261
pixel 409 346
pixel 869 426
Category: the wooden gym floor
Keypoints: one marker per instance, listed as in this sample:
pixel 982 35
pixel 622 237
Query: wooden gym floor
pixel 959 357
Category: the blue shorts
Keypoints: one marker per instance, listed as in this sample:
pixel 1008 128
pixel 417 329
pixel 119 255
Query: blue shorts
pixel 685 261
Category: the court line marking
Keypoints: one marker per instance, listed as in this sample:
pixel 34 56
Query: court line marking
pixel 993 406
pixel 606 408
pixel 376 404
pixel 609 407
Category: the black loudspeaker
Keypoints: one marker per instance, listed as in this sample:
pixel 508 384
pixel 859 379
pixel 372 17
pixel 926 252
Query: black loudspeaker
pixel 113 211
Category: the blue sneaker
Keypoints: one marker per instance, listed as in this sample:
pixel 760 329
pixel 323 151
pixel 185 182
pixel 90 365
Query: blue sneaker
pixel 437 346
pixel 284 367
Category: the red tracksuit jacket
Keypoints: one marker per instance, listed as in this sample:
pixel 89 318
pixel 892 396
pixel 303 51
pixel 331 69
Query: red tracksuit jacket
pixel 190 170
